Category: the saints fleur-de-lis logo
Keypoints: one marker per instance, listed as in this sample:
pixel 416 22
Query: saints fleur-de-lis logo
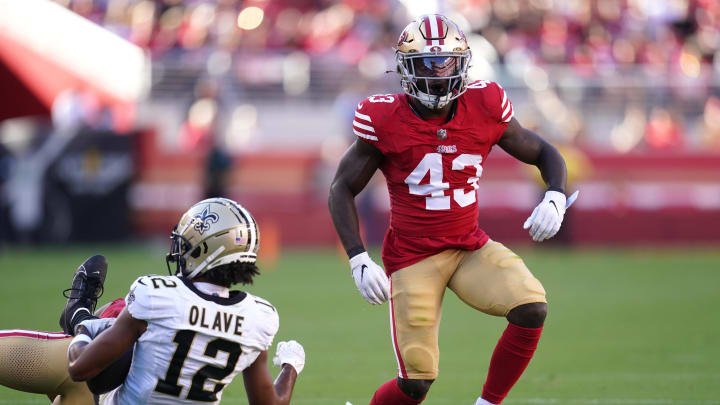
pixel 204 219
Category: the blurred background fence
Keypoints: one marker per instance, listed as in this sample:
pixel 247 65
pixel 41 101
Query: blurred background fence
pixel 106 137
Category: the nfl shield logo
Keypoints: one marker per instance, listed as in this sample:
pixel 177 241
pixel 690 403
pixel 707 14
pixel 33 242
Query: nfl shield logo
pixel 442 134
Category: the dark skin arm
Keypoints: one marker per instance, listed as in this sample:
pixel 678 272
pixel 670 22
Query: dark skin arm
pixel 88 359
pixel 528 147
pixel 260 388
pixel 356 169
pixel 361 161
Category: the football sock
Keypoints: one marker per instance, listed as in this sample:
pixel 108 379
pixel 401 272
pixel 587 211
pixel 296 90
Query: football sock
pixel 510 358
pixel 79 318
pixel 391 394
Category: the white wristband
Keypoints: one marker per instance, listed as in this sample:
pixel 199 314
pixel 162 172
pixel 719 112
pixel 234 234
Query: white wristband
pixel 359 258
pixel 79 338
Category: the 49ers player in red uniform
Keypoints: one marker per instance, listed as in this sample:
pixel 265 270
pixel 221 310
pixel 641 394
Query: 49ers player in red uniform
pixel 430 143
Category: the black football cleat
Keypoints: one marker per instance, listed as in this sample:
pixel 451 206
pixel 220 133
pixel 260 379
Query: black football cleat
pixel 86 288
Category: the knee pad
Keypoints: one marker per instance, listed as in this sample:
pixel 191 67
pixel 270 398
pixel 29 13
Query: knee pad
pixel 420 360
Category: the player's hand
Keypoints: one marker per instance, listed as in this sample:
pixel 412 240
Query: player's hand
pixel 546 218
pixel 370 279
pixel 291 353
pixel 93 327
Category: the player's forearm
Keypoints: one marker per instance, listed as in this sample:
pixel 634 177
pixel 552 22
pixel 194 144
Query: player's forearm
pixel 284 384
pixel 87 360
pixel 84 362
pixel 552 168
pixel 343 211
pixel 78 370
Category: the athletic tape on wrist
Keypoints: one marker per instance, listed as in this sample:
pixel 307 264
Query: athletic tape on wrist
pixel 79 338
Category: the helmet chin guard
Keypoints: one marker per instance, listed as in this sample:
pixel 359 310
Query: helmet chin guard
pixel 433 57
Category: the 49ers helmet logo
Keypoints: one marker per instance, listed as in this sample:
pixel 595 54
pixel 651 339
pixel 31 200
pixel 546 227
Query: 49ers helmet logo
pixel 402 38
pixel 206 218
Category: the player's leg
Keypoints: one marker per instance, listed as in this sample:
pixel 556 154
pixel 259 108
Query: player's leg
pixel 36 362
pixel 415 309
pixel 496 281
pixel 86 288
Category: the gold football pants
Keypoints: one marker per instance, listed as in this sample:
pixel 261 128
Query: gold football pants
pixel 492 280
pixel 36 362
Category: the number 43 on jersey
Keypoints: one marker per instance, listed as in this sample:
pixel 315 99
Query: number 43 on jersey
pixel 437 200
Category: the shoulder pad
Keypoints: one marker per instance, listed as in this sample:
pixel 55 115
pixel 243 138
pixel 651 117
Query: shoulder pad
pixel 371 114
pixel 265 324
pixel 152 297
pixel 493 97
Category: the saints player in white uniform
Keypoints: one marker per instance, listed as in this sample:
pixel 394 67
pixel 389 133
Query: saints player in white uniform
pixel 191 334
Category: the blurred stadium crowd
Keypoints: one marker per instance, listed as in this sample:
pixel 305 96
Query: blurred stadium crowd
pixel 254 99
pixel 652 67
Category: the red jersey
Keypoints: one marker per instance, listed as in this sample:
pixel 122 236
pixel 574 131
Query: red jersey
pixel 432 169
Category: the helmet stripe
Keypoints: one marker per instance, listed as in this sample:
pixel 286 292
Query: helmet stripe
pixel 428 32
pixel 434 30
pixel 440 30
pixel 251 225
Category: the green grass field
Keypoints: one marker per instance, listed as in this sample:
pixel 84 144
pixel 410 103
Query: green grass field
pixel 637 327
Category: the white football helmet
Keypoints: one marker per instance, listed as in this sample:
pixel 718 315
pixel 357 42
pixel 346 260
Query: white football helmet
pixel 211 233
pixel 432 57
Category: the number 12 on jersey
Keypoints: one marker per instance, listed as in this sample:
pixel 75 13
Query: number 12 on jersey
pixel 432 162
pixel 184 339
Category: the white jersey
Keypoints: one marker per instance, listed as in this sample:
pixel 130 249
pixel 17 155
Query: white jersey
pixel 195 343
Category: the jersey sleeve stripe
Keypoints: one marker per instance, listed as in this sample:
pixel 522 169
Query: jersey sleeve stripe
pixel 507 109
pixel 504 100
pixel 366 136
pixel 363 117
pixel 362 126
pixel 507 117
pixel 266 304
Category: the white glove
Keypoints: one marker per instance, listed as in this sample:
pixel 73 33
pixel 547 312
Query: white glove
pixel 95 326
pixel 370 279
pixel 546 218
pixel 291 353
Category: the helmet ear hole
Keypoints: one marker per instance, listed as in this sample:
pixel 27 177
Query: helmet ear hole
pixel 196 252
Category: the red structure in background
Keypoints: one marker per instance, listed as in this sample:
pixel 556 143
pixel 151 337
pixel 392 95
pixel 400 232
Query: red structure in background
pixel 653 198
